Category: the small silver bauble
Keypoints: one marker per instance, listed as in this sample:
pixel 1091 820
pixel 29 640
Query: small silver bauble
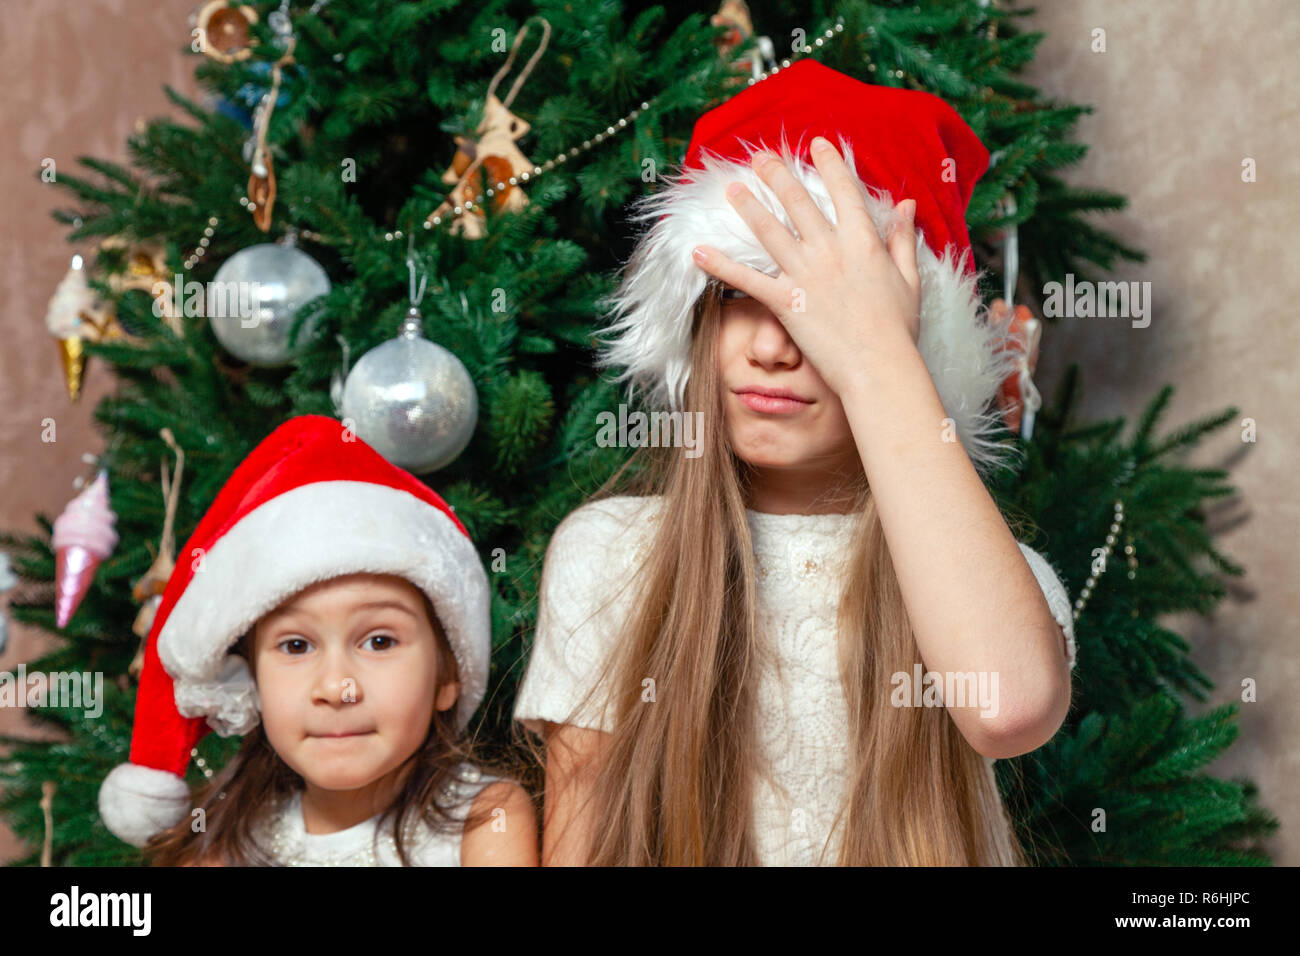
pixel 263 287
pixel 412 401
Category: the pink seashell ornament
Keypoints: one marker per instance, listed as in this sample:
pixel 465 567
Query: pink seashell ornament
pixel 83 536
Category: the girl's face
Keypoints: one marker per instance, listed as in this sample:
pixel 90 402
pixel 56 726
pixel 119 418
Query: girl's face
pixel 806 429
pixel 346 671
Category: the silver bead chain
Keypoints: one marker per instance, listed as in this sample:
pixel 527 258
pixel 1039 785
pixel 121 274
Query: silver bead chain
pixel 565 155
pixel 202 248
pixel 1082 600
pixel 201 763
pixel 562 157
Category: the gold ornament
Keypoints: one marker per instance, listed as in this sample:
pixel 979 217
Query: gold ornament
pixel 261 179
pixel 224 31
pixel 495 150
pixel 146 263
pixel 734 15
pixel 261 192
pixel 148 590
pixel 73 357
pixel 76 315
pixel 146 270
pixel 69 317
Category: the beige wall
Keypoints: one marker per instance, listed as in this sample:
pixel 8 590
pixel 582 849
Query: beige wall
pixel 77 76
pixel 1185 91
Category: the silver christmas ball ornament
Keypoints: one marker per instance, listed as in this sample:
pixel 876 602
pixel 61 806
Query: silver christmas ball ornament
pixel 412 401
pixel 258 292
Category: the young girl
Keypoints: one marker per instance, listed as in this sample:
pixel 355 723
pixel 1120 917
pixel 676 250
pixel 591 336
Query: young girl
pixel 333 610
pixel 727 667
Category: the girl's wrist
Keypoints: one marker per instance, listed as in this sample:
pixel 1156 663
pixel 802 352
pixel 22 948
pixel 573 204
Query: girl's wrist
pixel 883 361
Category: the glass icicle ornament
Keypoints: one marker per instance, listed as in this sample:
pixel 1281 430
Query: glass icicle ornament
pixel 65 318
pixel 83 536
pixel 8 580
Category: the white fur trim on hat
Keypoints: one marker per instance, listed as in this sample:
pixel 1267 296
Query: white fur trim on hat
pixel 649 332
pixel 338 528
pixel 136 802
pixel 229 700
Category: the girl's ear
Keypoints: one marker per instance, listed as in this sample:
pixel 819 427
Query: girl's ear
pixel 448 694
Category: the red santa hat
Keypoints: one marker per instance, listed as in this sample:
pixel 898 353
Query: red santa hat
pixel 310 503
pixel 902 144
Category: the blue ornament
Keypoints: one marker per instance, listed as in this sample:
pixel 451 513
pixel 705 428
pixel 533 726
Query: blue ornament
pixel 223 107
pixel 250 94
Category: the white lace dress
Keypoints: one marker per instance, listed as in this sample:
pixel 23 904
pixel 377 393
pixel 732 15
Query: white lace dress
pixel 803 716
pixel 283 835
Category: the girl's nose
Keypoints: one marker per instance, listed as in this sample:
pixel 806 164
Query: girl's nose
pixel 770 344
pixel 336 680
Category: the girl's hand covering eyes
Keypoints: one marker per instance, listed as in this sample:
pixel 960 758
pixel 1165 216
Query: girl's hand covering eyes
pixel 844 295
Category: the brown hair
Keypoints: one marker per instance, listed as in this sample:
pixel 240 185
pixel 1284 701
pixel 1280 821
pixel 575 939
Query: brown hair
pixel 675 784
pixel 256 780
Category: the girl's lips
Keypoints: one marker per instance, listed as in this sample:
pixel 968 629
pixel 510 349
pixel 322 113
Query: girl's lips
pixel 770 404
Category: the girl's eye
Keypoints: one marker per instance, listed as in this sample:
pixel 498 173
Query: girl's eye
pixel 295 645
pixel 730 293
pixel 386 641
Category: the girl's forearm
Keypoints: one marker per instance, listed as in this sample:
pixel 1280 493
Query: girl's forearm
pixel 973 600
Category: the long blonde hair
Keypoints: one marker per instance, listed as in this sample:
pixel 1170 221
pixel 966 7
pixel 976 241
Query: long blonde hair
pixel 676 779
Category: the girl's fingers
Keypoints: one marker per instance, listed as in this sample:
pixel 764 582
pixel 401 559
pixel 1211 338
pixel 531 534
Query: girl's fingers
pixel 757 285
pixel 771 233
pixel 804 213
pixel 902 245
pixel 841 184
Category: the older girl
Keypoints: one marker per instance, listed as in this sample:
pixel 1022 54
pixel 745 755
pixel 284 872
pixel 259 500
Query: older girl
pixel 758 657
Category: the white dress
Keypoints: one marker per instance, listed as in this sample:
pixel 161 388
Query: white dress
pixel 284 836
pixel 802 713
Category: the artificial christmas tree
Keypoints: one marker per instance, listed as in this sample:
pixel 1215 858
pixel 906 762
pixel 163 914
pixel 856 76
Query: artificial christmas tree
pixel 361 108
